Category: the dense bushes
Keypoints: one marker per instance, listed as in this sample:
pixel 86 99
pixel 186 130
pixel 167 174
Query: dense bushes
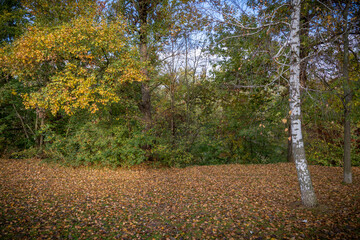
pixel 115 137
pixel 216 131
pixel 95 144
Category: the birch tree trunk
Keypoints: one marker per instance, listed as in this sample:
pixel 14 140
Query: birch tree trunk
pixel 308 196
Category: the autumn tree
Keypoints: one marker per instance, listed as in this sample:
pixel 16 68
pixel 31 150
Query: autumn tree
pixel 340 21
pixel 74 65
pixel 45 13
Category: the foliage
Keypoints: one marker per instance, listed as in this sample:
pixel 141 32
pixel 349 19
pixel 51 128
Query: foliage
pixel 76 65
pixel 165 154
pixel 111 137
pixel 12 20
pixel 80 60
pixel 252 93
pixel 15 122
pixel 52 12
pixel 15 131
pixel 325 140
pixel 96 145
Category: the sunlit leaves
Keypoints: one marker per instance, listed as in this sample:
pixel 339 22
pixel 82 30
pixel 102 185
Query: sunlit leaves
pixel 75 65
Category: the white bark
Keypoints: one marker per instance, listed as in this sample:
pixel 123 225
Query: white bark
pixel 308 196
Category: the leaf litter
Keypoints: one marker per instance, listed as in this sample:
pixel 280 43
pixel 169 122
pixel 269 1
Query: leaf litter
pixel 42 201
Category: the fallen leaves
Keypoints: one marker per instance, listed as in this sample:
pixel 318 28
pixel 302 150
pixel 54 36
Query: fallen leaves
pixel 216 202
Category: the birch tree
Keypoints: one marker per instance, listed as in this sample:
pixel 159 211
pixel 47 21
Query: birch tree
pixel 308 196
pixel 287 56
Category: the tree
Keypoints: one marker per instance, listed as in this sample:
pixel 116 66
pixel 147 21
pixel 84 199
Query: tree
pixel 12 19
pixel 146 20
pixel 341 24
pixel 254 96
pixel 150 22
pixel 74 65
pixel 289 36
pixel 351 9
pixel 307 192
pixel 181 56
pixel 15 121
pixel 52 12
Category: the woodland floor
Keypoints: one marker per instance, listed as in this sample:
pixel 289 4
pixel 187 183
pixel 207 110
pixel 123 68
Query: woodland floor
pixel 41 201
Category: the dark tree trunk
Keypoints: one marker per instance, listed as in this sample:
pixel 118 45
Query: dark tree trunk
pixel 145 105
pixel 290 157
pixel 347 101
pixel 40 115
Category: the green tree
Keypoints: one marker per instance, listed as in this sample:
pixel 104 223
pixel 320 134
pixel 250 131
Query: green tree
pixel 146 20
pixel 15 121
pixel 151 23
pixel 254 95
pixel 52 12
pixel 12 20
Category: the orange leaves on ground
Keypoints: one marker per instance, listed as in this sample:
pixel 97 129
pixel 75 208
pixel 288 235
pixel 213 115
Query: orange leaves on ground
pixel 207 202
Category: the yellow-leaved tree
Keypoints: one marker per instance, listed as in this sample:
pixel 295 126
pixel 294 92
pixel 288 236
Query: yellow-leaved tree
pixel 79 64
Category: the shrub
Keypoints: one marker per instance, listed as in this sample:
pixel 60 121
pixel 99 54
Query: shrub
pixel 97 144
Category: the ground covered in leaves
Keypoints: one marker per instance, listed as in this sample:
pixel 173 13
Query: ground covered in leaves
pixel 38 200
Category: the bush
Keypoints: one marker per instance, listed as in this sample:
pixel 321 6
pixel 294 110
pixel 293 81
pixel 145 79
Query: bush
pixel 97 144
